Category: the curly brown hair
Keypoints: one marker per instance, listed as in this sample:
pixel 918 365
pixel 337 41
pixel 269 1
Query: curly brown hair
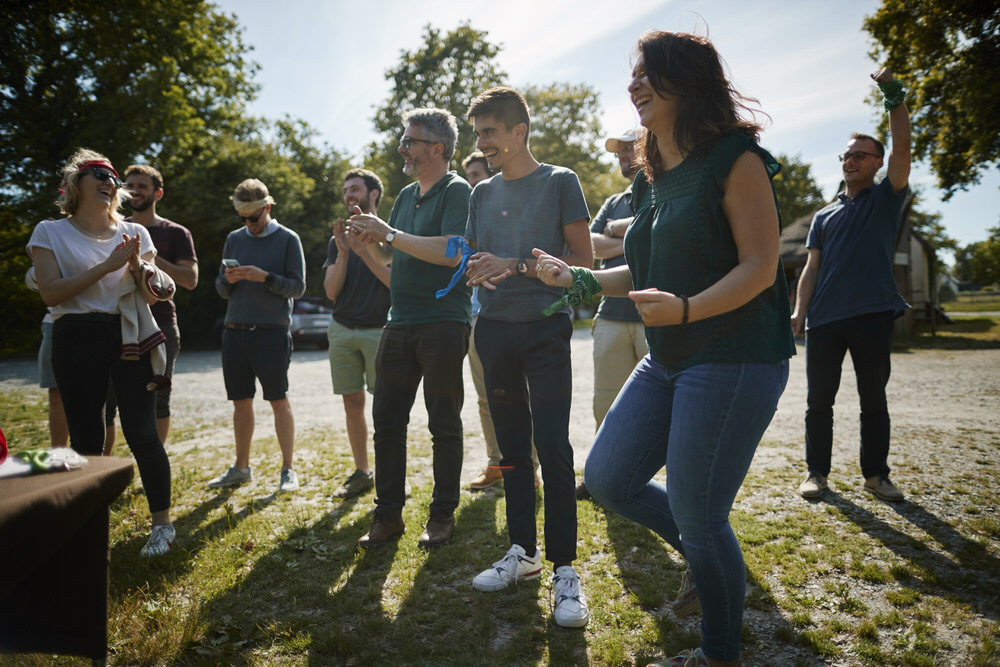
pixel 688 66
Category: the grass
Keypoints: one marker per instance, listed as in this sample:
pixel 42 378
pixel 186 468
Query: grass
pixel 262 580
pixel 972 302
pixel 967 332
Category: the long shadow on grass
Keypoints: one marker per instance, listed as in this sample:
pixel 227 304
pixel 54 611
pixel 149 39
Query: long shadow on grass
pixel 642 556
pixel 292 599
pixel 977 574
pixel 128 571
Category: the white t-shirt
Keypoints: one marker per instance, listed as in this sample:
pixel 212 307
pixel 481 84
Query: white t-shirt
pixel 76 252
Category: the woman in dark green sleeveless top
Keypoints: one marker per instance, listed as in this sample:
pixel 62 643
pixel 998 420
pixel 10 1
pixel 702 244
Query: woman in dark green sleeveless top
pixel 704 272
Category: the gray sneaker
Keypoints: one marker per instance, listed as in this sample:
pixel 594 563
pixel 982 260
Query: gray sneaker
pixel 232 477
pixel 161 541
pixel 356 484
pixel 289 481
pixel 813 487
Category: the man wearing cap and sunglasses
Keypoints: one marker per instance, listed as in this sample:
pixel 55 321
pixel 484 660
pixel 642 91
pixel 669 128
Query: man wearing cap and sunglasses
pixel 263 270
pixel 847 297
pixel 619 335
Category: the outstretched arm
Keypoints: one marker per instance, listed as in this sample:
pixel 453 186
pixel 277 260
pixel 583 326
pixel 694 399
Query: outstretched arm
pixel 898 169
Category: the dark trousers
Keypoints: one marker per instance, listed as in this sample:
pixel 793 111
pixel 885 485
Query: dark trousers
pixel 529 385
pixel 869 339
pixel 86 355
pixel 434 352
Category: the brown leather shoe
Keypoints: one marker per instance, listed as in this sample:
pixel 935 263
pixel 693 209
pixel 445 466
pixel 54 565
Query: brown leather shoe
pixel 438 531
pixel 382 531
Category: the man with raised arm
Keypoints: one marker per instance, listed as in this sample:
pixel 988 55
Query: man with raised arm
pixel 848 298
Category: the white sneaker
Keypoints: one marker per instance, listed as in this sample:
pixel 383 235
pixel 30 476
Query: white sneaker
pixel 289 481
pixel 232 477
pixel 570 604
pixel 516 565
pixel 161 541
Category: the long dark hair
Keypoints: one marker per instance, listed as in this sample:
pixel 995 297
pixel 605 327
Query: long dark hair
pixel 688 67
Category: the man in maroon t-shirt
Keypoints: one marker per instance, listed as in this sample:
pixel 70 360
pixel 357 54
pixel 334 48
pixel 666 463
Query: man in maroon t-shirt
pixel 175 256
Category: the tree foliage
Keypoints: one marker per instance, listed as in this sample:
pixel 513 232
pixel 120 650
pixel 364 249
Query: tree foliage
pixel 796 189
pixel 566 131
pixel 449 70
pixel 947 53
pixel 446 72
pixel 980 262
pixel 160 82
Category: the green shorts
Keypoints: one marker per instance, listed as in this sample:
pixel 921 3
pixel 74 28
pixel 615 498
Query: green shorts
pixel 352 358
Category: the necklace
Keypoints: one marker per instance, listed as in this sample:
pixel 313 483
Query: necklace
pixel 103 235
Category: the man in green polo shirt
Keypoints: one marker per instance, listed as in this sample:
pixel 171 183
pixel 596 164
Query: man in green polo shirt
pixel 425 337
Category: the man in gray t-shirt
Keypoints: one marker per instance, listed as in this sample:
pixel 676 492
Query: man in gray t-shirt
pixel 526 355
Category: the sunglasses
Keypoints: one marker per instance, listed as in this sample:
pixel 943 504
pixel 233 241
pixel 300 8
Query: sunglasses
pixel 252 218
pixel 104 176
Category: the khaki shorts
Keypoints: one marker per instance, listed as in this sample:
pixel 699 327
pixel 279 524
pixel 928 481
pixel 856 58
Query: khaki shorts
pixel 352 358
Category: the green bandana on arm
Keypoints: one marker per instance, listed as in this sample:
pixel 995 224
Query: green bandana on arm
pixel 892 93
pixel 583 290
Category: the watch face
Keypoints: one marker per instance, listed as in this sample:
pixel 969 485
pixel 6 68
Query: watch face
pixel 522 267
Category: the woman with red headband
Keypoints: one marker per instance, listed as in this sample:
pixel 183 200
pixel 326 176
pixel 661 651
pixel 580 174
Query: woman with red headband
pixel 80 264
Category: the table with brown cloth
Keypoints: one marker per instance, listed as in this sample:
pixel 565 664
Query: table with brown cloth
pixel 54 556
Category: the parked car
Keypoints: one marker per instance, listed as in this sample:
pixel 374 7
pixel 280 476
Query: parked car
pixel 310 318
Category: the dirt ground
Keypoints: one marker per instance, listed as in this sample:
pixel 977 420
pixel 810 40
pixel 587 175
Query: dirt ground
pixel 946 392
pixel 936 398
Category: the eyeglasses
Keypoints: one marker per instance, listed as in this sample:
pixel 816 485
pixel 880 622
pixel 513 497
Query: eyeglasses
pixel 104 176
pixel 856 155
pixel 407 142
pixel 252 218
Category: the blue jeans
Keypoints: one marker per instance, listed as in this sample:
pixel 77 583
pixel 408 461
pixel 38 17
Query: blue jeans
pixel 435 353
pixel 869 338
pixel 529 385
pixel 704 423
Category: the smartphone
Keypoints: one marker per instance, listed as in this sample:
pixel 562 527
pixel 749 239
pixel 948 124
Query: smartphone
pixel 230 263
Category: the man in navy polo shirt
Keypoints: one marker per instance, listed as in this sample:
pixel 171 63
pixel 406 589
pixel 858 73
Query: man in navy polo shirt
pixel 848 299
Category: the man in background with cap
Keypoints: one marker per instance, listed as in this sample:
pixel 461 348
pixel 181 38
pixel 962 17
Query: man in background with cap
pixel 619 336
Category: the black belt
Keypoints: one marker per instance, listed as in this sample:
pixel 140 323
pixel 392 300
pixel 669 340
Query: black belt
pixel 251 327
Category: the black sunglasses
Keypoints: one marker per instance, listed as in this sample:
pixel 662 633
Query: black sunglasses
pixel 104 176
pixel 251 218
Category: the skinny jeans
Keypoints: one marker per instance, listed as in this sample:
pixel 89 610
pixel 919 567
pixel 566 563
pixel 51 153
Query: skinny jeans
pixel 704 424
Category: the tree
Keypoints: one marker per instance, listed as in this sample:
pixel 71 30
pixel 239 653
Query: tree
pixel 947 53
pixel 796 189
pixel 980 262
pixel 566 131
pixel 446 72
pixel 137 82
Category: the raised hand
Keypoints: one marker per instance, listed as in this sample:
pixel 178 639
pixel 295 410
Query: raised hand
pixel 883 75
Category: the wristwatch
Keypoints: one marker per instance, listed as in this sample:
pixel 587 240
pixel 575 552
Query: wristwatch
pixel 390 236
pixel 522 267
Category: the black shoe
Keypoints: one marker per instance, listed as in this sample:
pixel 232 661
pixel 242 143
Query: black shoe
pixel 581 492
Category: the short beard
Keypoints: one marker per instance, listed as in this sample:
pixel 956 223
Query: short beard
pixel 143 205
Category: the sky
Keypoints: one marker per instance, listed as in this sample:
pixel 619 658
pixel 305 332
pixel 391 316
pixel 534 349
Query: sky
pixel 324 61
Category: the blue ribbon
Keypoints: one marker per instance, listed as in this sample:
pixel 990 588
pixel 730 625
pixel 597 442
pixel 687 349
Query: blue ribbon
pixel 456 243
